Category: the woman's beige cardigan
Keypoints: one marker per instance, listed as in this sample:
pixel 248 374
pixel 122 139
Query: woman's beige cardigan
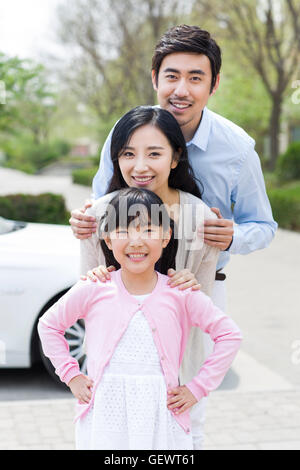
pixel 196 256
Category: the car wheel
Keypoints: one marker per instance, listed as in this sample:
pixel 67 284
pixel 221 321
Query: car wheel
pixel 75 338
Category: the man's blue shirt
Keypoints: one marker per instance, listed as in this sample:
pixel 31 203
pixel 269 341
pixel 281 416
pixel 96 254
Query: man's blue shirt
pixel 223 158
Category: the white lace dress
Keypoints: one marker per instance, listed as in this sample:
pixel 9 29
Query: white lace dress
pixel 130 406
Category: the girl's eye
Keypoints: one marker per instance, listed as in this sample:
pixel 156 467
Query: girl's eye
pixel 148 233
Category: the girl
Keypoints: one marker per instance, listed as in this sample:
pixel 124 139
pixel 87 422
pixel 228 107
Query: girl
pixel 148 150
pixel 136 332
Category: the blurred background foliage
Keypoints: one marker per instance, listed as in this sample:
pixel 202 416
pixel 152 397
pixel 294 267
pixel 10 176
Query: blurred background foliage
pixel 106 71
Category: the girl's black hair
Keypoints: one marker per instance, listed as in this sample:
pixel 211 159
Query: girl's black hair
pixel 128 205
pixel 182 177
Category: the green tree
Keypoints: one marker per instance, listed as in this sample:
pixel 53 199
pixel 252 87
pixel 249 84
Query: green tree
pixel 266 33
pixel 111 44
pixel 25 115
pixel 241 97
pixel 29 101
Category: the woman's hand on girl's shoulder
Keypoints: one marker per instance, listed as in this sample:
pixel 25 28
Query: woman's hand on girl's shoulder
pixel 100 273
pixel 184 279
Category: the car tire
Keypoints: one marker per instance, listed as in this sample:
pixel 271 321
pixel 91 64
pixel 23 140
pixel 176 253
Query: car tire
pixel 75 338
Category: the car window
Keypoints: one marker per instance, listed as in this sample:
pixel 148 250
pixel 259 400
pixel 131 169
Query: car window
pixel 7 226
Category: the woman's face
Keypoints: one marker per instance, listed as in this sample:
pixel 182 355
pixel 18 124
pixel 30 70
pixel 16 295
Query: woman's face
pixel 147 160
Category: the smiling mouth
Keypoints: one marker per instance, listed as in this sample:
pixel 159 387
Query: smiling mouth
pixel 143 179
pixel 179 105
pixel 136 256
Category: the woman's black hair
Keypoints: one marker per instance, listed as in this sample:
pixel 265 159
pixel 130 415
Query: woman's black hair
pixel 136 203
pixel 182 177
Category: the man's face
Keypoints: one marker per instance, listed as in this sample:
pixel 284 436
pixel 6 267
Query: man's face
pixel 183 88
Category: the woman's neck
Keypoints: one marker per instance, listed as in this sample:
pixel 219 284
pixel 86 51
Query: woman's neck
pixel 141 283
pixel 171 200
pixel 169 196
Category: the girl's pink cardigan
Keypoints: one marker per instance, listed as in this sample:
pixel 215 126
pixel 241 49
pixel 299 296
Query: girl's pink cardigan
pixel 107 309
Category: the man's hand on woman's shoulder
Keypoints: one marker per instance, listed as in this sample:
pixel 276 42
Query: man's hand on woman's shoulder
pixel 83 225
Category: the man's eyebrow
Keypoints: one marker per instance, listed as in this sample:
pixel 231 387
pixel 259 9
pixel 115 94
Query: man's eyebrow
pixel 198 71
pixel 195 71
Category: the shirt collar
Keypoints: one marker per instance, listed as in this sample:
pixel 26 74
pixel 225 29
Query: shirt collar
pixel 200 138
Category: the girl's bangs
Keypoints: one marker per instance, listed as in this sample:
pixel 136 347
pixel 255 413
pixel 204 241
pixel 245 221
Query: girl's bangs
pixel 133 209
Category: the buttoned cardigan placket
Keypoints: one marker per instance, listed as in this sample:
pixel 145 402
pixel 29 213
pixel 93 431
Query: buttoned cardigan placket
pixel 142 306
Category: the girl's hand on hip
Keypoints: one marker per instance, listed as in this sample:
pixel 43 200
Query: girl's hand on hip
pixel 81 387
pixel 100 273
pixel 180 399
pixel 183 278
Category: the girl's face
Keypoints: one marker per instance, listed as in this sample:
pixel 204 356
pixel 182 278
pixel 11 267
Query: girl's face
pixel 147 160
pixel 138 247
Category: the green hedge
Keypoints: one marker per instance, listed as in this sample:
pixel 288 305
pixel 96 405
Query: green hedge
pixel 288 164
pixel 84 175
pixel 285 204
pixel 23 154
pixel 44 208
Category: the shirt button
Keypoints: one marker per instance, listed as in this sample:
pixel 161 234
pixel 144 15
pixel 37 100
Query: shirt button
pixel 153 329
pixel 188 430
pixel 162 358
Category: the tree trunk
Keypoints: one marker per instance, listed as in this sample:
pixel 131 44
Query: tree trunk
pixel 274 130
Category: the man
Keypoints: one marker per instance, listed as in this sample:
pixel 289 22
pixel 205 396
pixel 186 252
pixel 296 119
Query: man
pixel 185 74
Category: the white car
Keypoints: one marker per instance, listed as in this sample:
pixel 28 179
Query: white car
pixel 38 264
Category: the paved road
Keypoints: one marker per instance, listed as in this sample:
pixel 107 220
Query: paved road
pixel 264 300
pixel 30 384
pixel 13 181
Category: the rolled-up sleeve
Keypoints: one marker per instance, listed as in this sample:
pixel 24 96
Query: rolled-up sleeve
pixel 254 225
